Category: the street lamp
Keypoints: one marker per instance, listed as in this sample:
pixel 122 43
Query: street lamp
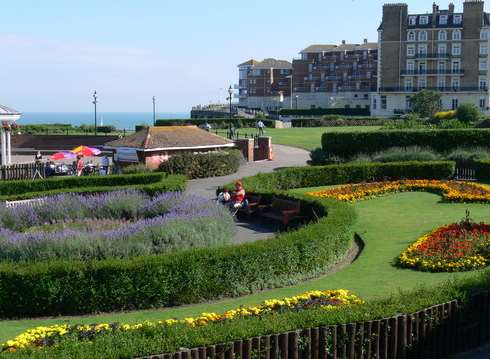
pixel 296 98
pixel 290 77
pixel 230 92
pixel 154 119
pixel 95 112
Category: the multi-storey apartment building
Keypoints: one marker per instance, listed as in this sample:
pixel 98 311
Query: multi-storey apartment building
pixel 264 84
pixel 443 50
pixel 335 75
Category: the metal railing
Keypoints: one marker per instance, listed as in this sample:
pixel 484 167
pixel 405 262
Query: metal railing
pixel 432 72
pixel 441 89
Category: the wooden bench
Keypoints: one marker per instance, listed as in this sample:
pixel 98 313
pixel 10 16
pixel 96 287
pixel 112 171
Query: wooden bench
pixel 282 210
pixel 252 207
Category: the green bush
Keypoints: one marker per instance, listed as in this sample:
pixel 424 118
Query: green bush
pixel 468 113
pixel 106 129
pixel 471 154
pixel 71 287
pixel 137 168
pixel 451 124
pixel 203 165
pixel 216 123
pixel 339 121
pixel 326 111
pixel 348 144
pixel 482 170
pixel 400 154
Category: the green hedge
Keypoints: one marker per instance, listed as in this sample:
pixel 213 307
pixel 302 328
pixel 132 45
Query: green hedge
pixel 326 111
pixel 149 182
pixel 210 164
pixel 348 173
pixel 482 170
pixel 339 121
pixel 73 287
pixel 349 144
pixel 215 122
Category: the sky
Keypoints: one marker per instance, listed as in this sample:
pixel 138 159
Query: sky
pixel 55 53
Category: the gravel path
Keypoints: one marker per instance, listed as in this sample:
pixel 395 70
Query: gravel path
pixel 284 156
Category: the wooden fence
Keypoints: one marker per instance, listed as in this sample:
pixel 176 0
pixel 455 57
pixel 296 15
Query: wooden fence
pixel 431 333
pixel 22 171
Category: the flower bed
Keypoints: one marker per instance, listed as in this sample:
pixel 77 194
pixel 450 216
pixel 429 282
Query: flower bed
pixel 455 191
pixel 118 224
pixel 48 336
pixel 453 248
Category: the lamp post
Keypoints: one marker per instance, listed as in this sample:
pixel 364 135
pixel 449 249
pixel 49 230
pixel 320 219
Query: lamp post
pixel 95 112
pixel 230 92
pixel 290 77
pixel 154 119
pixel 296 98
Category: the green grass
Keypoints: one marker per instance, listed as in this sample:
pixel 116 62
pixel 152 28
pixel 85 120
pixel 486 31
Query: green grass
pixel 387 224
pixel 307 138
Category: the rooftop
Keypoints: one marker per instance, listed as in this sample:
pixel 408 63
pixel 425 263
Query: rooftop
pixel 269 63
pixel 171 138
pixel 342 47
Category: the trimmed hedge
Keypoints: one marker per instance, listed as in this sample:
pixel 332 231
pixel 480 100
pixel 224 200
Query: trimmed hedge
pixel 349 144
pixel 340 121
pixel 482 170
pixel 348 173
pixel 326 111
pixel 151 183
pixel 203 165
pixel 215 122
pixel 74 287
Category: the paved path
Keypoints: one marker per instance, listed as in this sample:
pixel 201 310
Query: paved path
pixel 284 156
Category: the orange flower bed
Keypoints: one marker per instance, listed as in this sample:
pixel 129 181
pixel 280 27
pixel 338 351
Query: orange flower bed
pixel 455 191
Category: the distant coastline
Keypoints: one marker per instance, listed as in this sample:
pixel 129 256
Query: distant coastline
pixel 122 120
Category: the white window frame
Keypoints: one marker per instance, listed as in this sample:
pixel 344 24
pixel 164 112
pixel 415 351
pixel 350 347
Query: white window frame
pixel 424 20
pixel 442 35
pixel 455 68
pixel 442 49
pixel 422 47
pixel 422 83
pixel 441 18
pixel 423 38
pixel 456 35
pixel 455 83
pixel 410 66
pixel 412 20
pixel 409 84
pixel 411 51
pixel 483 65
pixel 441 67
pixel 483 103
pixel 457 19
pixel 483 83
pixel 484 34
pixel 411 36
pixel 441 83
pixel 455 52
pixel 484 48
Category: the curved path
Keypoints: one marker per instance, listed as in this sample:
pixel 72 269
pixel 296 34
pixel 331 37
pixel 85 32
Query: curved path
pixel 284 156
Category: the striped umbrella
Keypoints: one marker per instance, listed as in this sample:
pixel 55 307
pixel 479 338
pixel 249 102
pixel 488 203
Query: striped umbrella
pixel 86 151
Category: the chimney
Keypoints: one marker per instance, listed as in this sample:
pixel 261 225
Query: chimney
pixel 343 42
pixel 451 8
pixel 435 8
pixel 365 41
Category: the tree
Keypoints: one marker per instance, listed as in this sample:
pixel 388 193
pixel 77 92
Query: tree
pixel 426 103
pixel 468 113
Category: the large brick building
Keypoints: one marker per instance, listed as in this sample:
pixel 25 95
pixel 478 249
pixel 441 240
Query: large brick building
pixel 264 84
pixel 335 75
pixel 443 50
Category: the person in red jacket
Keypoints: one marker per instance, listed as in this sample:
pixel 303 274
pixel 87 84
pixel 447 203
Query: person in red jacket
pixel 238 196
pixel 80 165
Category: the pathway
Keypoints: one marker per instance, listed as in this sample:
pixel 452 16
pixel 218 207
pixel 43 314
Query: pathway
pixel 284 156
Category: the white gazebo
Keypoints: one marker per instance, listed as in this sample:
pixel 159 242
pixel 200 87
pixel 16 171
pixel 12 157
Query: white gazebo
pixel 8 119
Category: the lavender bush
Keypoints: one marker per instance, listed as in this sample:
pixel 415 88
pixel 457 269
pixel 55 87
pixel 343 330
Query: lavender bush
pixel 118 224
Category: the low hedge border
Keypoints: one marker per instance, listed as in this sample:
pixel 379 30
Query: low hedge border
pixel 150 183
pixel 348 144
pixel 74 287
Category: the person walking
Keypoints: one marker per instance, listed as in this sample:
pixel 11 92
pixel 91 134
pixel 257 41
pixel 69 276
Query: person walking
pixel 260 127
pixel 104 165
pixel 80 165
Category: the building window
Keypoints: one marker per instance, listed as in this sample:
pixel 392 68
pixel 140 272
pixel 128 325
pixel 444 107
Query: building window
pixel 456 51
pixel 410 50
pixel 454 103
pixel 422 50
pixel 483 49
pixel 483 103
pixel 442 49
pixel 441 84
pixel 455 84
pixel 422 83
pixel 484 35
pixel 441 67
pixel 457 19
pixel 424 20
pixel 408 102
pixel 422 67
pixel 412 20
pixel 443 20
pixel 384 103
pixel 442 35
pixel 411 36
pixel 483 65
pixel 408 84
pixel 410 66
pixel 456 66
pixel 423 36
pixel 375 103
pixel 457 35
pixel 483 84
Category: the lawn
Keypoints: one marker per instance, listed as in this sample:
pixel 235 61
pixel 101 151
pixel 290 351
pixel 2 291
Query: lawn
pixel 387 224
pixel 308 138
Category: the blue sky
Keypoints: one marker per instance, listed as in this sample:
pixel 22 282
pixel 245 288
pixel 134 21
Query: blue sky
pixel 55 53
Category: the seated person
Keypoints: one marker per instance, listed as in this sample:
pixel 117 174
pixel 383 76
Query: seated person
pixel 238 196
pixel 224 197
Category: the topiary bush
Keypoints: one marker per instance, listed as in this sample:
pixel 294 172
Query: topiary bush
pixel 203 165
pixel 468 113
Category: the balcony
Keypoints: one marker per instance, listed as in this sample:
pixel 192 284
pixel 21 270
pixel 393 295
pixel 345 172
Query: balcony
pixel 432 72
pixel 440 89
pixel 430 56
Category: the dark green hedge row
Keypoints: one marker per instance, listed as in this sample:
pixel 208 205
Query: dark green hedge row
pixel 326 111
pixel 211 164
pixel 482 170
pixel 72 287
pixel 348 144
pixel 172 339
pixel 167 183
pixel 340 121
pixel 348 173
pixel 215 122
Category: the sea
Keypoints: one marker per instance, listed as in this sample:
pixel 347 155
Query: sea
pixel 121 120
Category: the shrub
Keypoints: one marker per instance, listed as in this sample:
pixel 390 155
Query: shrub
pixel 462 154
pixel 106 129
pixel 348 144
pixel 426 103
pixel 482 170
pixel 326 111
pixel 468 113
pixel 136 168
pixel 338 121
pixel 203 165
pixel 400 154
pixel 452 124
pixel 215 123
pixel 318 157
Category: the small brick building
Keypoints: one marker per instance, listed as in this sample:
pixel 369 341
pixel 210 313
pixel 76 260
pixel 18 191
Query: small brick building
pixel 154 145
